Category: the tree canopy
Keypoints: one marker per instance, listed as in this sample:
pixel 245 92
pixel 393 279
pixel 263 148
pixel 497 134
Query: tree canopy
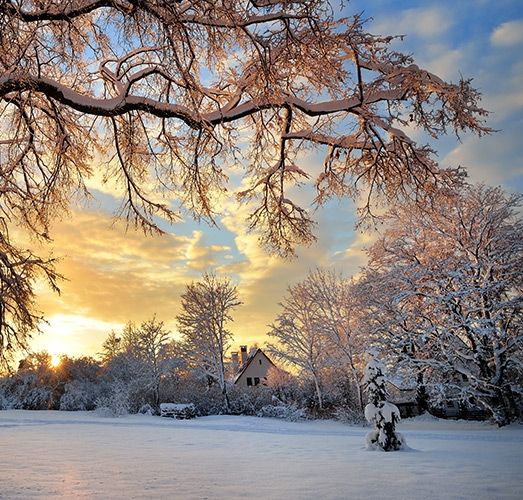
pixel 166 92
pixel 167 98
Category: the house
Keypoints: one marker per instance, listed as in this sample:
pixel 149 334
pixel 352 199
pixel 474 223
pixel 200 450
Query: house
pixel 403 396
pixel 253 368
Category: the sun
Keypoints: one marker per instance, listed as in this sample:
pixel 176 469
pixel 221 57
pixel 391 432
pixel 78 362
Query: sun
pixel 55 360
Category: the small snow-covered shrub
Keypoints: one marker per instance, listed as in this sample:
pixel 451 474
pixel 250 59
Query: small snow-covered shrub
pixel 5 399
pixel 23 392
pixel 147 409
pixel 208 399
pixel 282 411
pixel 250 400
pixel 4 402
pixel 73 401
pixel 38 398
pixel 349 415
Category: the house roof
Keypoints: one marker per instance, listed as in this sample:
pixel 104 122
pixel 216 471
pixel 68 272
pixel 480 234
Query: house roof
pixel 245 365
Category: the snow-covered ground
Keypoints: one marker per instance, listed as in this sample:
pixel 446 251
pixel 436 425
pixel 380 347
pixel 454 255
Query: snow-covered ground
pixel 59 454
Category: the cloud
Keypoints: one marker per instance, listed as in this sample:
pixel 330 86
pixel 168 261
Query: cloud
pixel 494 159
pixel 423 22
pixel 508 34
pixel 443 61
pixel 354 256
pixel 114 275
pixel 73 334
pixel 201 256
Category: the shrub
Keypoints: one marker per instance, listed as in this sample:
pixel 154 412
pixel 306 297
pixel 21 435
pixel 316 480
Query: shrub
pixel 285 412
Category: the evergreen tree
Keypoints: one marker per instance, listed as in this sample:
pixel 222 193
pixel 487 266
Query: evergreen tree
pixel 380 412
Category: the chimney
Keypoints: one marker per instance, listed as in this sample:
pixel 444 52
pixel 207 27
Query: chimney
pixel 235 361
pixel 243 353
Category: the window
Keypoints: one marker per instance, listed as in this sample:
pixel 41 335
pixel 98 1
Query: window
pixel 260 362
pixel 256 380
pixel 249 380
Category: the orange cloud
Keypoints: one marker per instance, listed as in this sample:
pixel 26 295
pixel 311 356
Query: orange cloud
pixel 115 276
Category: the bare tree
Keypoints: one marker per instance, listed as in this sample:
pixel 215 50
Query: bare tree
pixel 156 94
pixel 19 269
pixel 206 310
pixel 300 338
pixel 444 285
pixel 336 315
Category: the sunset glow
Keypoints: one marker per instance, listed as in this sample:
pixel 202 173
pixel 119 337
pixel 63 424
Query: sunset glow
pixel 243 243
pixel 55 360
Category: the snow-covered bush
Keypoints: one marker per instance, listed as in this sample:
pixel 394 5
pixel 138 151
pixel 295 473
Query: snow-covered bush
pixel 208 399
pixel 248 401
pixel 348 414
pixel 22 391
pixel 37 398
pixel 147 409
pixel 5 400
pixel 285 412
pixel 78 396
pixel 73 400
pixel 115 403
pixel 380 412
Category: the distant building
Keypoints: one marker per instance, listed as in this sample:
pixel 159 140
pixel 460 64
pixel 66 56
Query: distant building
pixel 403 396
pixel 253 368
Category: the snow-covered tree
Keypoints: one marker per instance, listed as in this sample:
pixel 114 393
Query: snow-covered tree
pixel 379 412
pixel 300 342
pixel 153 340
pixel 154 95
pixel 206 309
pixel 111 347
pixel 139 358
pixel 443 289
pixel 317 330
pixel 337 316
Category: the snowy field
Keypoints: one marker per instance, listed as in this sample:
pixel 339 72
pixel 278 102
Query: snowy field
pixel 58 454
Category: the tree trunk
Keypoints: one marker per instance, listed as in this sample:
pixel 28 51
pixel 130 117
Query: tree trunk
pixel 504 407
pixel 318 391
pixel 226 399
pixel 422 398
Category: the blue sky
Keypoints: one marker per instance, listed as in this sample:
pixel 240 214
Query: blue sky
pixel 115 277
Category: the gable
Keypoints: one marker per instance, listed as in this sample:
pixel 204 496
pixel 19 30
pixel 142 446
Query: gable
pixel 257 365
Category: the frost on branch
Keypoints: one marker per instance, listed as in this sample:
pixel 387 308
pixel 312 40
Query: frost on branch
pixel 445 281
pixel 380 412
pixel 171 95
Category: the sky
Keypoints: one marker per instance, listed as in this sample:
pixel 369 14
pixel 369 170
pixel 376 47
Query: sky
pixel 115 276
